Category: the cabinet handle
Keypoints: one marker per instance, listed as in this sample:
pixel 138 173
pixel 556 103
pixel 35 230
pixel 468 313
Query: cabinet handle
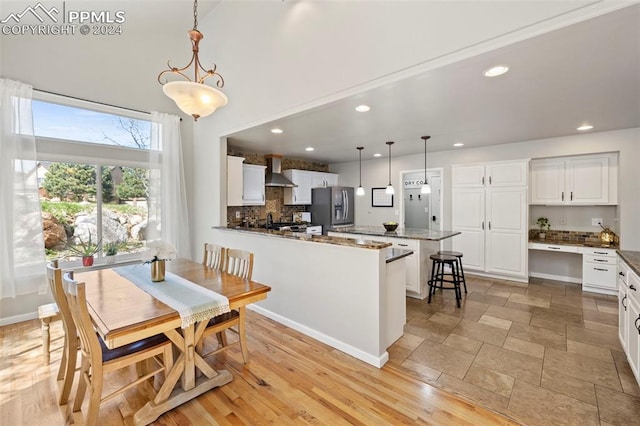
pixel 571 195
pixel 621 274
pixel 403 245
pixel 599 269
pixel 600 252
pixel 562 195
pixel 489 225
pixel 489 180
pixel 622 301
pixel 636 324
pixel 631 287
pixel 600 260
pixel 483 180
pixel 295 198
pixel 483 225
pixel 553 248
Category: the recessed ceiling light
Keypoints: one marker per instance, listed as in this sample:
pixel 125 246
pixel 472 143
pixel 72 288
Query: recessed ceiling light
pixel 309 148
pixel 363 108
pixel 276 130
pixel 496 71
pixel 458 144
pixel 585 127
pixel 377 154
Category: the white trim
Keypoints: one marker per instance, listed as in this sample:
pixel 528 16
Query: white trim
pixel 68 151
pixel 18 318
pixel 562 278
pixel 92 106
pixel 471 271
pixel 334 343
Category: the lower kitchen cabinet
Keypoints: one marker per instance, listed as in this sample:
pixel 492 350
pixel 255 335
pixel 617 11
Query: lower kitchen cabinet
pixel 599 270
pixel 629 316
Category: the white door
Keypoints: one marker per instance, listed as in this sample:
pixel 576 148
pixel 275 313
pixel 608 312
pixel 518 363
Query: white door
pixel 468 218
pixel 506 231
pixel 467 176
pixel 253 185
pixel 588 180
pixel 548 182
pixel 234 181
pixel 300 195
pixel 507 174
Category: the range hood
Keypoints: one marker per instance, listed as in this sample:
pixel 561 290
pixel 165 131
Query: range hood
pixel 274 175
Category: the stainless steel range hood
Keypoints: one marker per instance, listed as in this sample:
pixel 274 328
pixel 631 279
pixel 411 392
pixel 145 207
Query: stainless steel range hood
pixel 274 175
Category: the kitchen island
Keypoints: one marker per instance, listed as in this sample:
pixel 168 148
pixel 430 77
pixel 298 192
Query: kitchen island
pixel 346 293
pixel 422 242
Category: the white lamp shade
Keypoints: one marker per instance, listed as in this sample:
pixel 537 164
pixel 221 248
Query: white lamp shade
pixel 425 189
pixel 389 190
pixel 360 191
pixel 196 99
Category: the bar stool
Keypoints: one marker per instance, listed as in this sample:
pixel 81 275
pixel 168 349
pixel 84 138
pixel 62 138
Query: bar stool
pixel 438 275
pixel 458 255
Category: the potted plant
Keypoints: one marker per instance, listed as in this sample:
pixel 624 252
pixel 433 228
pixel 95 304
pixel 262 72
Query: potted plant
pixel 544 225
pixel 86 250
pixel 110 251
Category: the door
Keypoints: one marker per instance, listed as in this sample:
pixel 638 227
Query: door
pixel 547 181
pixel 435 198
pixel 588 180
pixel 342 205
pixel 417 210
pixel 234 181
pixel 468 218
pixel 633 341
pixel 507 231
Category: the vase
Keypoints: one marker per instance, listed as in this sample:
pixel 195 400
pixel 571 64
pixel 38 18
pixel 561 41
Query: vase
pixel 110 259
pixel 157 271
pixel 87 260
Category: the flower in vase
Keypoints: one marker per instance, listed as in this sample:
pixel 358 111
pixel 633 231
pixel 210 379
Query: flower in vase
pixel 158 250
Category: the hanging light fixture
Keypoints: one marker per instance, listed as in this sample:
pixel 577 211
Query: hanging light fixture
pixel 389 189
pixel 194 97
pixel 426 188
pixel 360 190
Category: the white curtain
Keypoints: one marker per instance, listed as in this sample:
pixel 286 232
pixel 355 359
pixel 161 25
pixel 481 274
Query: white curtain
pixel 168 218
pixel 22 258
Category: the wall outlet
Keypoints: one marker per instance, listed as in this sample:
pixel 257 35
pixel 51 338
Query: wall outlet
pixel 237 215
pixel 563 221
pixel 596 221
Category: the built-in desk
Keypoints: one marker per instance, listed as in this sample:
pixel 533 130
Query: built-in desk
pixel 599 264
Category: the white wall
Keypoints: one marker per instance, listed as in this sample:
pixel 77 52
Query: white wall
pixel 626 142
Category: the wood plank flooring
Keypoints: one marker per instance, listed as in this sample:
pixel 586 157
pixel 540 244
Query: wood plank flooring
pixel 290 379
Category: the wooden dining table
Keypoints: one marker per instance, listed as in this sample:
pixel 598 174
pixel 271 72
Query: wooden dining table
pixel 123 313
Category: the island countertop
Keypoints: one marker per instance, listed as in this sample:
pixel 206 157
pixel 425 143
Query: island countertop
pixel 408 233
pixel 349 242
pixel 632 258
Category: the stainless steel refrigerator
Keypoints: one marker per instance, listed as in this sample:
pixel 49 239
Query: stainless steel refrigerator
pixel 332 207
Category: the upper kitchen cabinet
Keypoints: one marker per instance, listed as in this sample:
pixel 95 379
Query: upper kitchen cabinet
pixel 322 179
pixel 234 181
pixel 253 185
pixel 306 180
pixel 580 180
pixel 493 174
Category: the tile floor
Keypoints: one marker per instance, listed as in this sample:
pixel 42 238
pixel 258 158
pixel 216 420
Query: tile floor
pixel 542 353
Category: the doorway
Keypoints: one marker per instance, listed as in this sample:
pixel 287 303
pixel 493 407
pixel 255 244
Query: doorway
pixel 421 211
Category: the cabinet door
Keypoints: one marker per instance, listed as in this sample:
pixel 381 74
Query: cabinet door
pixel 547 181
pixel 467 176
pixel 588 180
pixel 468 218
pixel 633 341
pixel 623 320
pixel 412 281
pixel 507 231
pixel 300 195
pixel 234 181
pixel 253 185
pixel 507 174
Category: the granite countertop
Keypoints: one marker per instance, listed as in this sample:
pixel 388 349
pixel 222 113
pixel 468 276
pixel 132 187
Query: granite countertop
pixel 408 233
pixel 575 243
pixel 395 254
pixel 631 258
pixel 349 242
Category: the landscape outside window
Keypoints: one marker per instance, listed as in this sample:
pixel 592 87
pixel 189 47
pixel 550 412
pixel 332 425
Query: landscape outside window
pixel 91 201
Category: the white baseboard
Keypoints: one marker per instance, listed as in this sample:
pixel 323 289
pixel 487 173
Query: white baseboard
pixel 18 318
pixel 562 278
pixel 496 276
pixel 338 344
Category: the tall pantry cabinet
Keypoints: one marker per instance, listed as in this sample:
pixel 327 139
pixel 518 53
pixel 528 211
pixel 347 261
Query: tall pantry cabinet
pixel 489 208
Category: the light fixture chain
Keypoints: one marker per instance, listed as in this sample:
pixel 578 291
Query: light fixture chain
pixel 195 14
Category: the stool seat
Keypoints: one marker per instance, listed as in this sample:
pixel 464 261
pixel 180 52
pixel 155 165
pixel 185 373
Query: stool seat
pixel 458 255
pixel 450 253
pixel 443 258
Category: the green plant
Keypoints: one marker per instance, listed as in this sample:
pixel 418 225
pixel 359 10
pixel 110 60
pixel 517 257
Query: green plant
pixel 86 248
pixel 111 249
pixel 543 223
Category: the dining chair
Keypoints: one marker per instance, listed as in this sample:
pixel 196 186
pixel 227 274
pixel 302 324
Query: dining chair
pixel 214 256
pixel 97 359
pixel 67 368
pixel 46 314
pixel 238 263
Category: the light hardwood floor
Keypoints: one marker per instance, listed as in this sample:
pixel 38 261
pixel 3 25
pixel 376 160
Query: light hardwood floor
pixel 290 379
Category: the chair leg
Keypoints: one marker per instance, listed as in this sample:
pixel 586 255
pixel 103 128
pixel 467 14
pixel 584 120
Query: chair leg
pixel 222 338
pixel 82 384
pixel 95 394
pixel 46 339
pixel 63 361
pixel 456 282
pixel 242 332
pixel 464 281
pixel 431 282
pixel 71 352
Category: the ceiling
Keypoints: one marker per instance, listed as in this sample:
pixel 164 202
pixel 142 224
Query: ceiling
pixel 584 73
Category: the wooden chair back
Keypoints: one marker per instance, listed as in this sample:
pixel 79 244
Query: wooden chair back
pixel 54 276
pixel 239 263
pixel 214 256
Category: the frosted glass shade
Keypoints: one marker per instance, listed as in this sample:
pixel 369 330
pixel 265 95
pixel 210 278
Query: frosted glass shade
pixel 425 189
pixel 389 190
pixel 360 191
pixel 195 99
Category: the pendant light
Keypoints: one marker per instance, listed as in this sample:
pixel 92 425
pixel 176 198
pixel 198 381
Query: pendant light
pixel 426 188
pixel 194 97
pixel 360 190
pixel 389 190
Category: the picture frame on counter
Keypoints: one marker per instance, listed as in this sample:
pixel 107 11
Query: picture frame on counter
pixel 379 198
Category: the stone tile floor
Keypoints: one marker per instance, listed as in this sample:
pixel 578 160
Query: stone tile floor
pixel 542 353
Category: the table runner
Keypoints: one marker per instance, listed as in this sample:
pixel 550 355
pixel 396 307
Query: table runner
pixel 194 303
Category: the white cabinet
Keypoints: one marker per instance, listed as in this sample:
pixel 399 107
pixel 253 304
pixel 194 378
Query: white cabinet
pixel 629 315
pixel 322 179
pixel 234 180
pixel 582 180
pixel 300 195
pixel 489 208
pixel 412 262
pixel 599 270
pixel 253 185
pixel 623 304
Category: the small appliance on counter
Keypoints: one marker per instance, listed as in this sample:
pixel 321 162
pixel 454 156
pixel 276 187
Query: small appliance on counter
pixel 304 217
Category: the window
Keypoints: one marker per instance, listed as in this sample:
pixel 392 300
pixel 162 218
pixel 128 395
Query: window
pixel 92 175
